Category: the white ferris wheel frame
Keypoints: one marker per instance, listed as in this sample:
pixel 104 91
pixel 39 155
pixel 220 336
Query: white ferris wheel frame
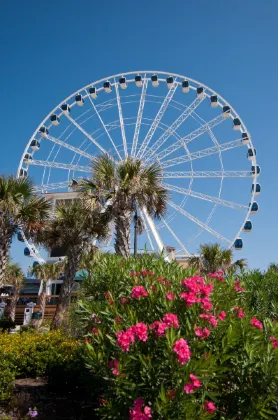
pixel 139 151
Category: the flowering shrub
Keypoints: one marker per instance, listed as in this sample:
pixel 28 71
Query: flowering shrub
pixel 200 354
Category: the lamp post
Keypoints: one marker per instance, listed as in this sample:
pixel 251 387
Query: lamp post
pixel 135 232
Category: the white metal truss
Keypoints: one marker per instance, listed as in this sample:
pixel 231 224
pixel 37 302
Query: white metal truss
pixel 205 197
pixel 207 174
pixel 191 136
pixel 104 126
pixel 202 153
pixel 198 222
pixel 153 230
pixel 60 165
pixel 72 148
pixel 121 118
pixel 164 137
pixel 147 231
pixel 175 236
pixel 157 120
pixel 139 116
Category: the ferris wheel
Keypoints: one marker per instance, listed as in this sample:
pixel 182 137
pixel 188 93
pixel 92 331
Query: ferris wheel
pixel 191 131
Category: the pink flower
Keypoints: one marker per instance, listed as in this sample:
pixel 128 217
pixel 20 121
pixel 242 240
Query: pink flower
pixel 138 412
pixel 213 321
pixel 218 275
pixel 205 316
pixel 199 332
pixel 238 287
pixel 256 323
pixel 123 301
pixel 182 350
pixel 275 344
pixel 132 274
pixel 138 291
pixel 170 296
pixel 144 272
pixel 171 320
pixel 189 388
pixel 209 407
pixel 159 328
pixel 196 382
pixel 114 364
pixel 222 316
pixel 125 338
pixel 189 298
pixel 140 330
pixel 239 312
pixel 206 304
pixel 205 333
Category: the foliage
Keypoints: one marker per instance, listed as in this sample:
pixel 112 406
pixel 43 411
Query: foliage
pixel 176 349
pixel 6 324
pixel 13 276
pixel 6 379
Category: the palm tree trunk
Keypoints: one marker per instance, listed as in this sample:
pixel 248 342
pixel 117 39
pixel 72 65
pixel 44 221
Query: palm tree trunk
pixel 42 301
pixel 71 267
pixel 122 237
pixel 13 307
pixel 5 244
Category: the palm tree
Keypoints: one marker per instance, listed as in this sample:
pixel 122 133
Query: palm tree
pixel 45 273
pixel 75 226
pixel 13 276
pixel 123 188
pixel 212 258
pixel 20 208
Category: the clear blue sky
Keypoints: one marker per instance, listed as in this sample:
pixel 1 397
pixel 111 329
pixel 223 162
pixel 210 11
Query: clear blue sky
pixel 50 49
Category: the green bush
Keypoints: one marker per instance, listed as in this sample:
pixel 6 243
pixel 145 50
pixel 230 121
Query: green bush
pixel 6 324
pixel 6 379
pixel 173 350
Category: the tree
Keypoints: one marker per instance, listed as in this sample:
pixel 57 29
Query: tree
pixel 123 188
pixel 75 226
pixel 212 258
pixel 13 276
pixel 20 208
pixel 45 273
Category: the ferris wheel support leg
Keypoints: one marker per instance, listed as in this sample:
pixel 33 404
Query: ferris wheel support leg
pixel 155 234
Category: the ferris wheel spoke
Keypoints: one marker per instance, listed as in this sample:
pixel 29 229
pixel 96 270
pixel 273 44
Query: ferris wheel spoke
pixel 202 153
pixel 147 231
pixel 162 139
pixel 206 197
pixel 139 116
pixel 121 118
pixel 60 165
pixel 198 222
pixel 52 186
pixel 72 148
pixel 157 120
pixel 207 174
pixel 191 136
pixel 175 236
pixel 87 135
pixel 104 126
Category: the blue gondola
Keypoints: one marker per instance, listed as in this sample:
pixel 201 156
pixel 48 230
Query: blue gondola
pixel 255 170
pixel 254 207
pixel 258 189
pixel 247 226
pixel 226 111
pixel 43 131
pixel 23 173
pixel 79 100
pixel 27 252
pixel 93 92
pixel 237 124
pixel 138 80
pixel 20 237
pixel 55 119
pixel 154 79
pixel 107 87
pixel 185 86
pixel 35 145
pixel 122 82
pixel 35 263
pixel 245 138
pixel 65 108
pixel 170 81
pixel 27 157
pixel 74 182
pixel 251 154
pixel 200 92
pixel 214 101
pixel 238 244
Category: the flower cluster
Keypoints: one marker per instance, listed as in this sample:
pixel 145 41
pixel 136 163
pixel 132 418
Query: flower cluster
pixel 142 273
pixel 138 291
pixel 218 275
pixel 114 365
pixel 210 318
pixel 194 383
pixel 256 323
pixel 140 411
pixel 168 321
pixel 274 341
pixel 222 315
pixel 238 287
pixel 239 312
pixel 202 333
pixel 209 407
pixel 164 282
pixel 170 296
pixel 197 292
pixel 125 338
pixel 182 350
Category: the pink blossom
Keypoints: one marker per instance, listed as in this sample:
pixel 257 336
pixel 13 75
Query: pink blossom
pixel 125 338
pixel 206 304
pixel 132 273
pixel 205 333
pixel 239 312
pixel 171 320
pixel 218 275
pixel 209 407
pixel 196 382
pixel 140 330
pixel 189 388
pixel 144 272
pixel 207 289
pixel 114 364
pixel 138 291
pixel 123 301
pixel 213 321
pixel 182 350
pixel 222 316
pixel 159 328
pixel 138 412
pixel 256 323
pixel 275 344
pixel 199 332
pixel 238 287
pixel 170 296
pixel 189 298
pixel 205 316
